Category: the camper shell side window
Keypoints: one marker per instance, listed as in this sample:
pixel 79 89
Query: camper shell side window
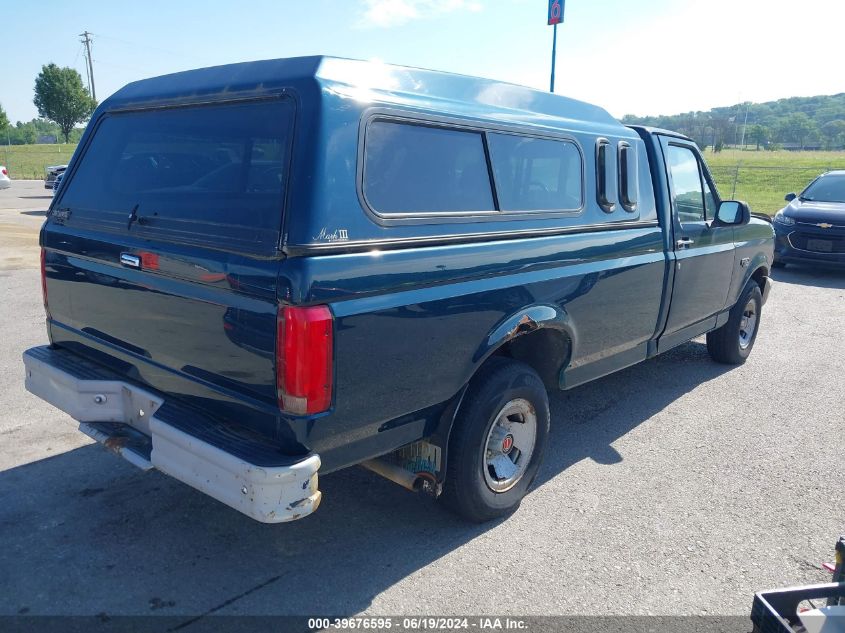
pixel 415 169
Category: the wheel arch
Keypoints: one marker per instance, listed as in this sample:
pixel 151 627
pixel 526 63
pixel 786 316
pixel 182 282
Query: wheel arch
pixel 542 336
pixel 526 335
pixel 762 277
pixel 754 269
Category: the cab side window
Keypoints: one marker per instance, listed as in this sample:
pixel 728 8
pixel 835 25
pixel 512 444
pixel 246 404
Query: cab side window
pixel 688 192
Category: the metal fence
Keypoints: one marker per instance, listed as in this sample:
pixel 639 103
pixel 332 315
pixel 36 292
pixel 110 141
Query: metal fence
pixel 763 187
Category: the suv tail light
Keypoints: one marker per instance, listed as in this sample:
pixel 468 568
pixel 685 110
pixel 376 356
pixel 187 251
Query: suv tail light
pixel 5 173
pixel 44 280
pixel 304 359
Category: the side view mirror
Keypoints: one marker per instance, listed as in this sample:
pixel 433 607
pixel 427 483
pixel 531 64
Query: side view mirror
pixel 733 213
pixel 790 197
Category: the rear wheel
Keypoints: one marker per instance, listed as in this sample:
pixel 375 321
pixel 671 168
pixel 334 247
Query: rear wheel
pixel 498 441
pixel 732 343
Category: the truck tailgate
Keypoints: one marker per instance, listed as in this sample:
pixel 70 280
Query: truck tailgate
pixel 161 252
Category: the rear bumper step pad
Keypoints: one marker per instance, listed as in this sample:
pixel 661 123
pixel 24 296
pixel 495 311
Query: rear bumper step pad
pixel 236 467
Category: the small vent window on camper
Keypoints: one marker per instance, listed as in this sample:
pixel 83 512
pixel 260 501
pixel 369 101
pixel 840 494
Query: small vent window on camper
pixel 628 177
pixel 605 176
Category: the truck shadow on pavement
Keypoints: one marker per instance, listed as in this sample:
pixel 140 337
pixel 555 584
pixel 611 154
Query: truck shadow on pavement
pixel 83 532
pixel 809 275
pixel 588 419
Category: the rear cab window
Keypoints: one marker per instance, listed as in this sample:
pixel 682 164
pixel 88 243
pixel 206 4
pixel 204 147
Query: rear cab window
pixel 212 174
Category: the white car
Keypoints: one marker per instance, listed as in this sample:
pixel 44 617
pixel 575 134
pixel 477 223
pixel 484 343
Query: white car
pixel 5 182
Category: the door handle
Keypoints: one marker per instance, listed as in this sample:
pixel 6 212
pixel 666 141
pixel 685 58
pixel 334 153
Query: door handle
pixel 130 260
pixel 685 241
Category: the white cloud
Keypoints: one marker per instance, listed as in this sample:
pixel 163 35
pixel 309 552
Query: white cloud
pixel 387 13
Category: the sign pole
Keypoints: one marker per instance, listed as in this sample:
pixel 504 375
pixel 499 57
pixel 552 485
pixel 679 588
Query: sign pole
pixel 555 17
pixel 554 56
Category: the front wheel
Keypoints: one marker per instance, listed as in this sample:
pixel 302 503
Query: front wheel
pixel 498 441
pixel 732 343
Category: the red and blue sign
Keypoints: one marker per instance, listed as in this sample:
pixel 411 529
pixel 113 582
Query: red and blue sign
pixel 556 11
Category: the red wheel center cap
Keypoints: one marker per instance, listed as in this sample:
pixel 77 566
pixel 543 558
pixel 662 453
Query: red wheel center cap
pixel 507 443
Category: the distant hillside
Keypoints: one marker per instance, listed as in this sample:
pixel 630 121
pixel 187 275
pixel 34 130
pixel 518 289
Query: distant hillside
pixel 794 123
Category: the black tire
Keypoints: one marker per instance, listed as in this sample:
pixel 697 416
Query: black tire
pixel 726 344
pixel 777 264
pixel 466 490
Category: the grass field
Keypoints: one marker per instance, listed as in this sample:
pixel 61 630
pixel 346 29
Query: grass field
pixel 27 162
pixel 763 178
pixel 760 178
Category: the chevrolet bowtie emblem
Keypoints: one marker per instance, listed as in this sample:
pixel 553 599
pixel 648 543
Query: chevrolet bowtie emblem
pixel 824 225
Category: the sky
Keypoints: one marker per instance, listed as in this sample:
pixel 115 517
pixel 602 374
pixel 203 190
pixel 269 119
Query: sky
pixel 646 57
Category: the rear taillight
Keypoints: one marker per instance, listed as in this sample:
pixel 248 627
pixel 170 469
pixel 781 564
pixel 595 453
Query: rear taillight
pixel 44 280
pixel 5 173
pixel 304 353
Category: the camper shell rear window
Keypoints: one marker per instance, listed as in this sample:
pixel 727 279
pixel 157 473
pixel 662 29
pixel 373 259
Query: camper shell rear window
pixel 211 174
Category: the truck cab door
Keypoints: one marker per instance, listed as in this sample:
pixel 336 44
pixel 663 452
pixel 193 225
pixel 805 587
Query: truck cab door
pixel 704 251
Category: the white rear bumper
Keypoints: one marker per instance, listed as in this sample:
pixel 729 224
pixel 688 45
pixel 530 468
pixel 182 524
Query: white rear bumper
pixel 121 416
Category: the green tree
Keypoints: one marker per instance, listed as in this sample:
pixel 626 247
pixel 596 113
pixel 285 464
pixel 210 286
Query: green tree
pixel 4 120
pixel 25 134
pixel 798 127
pixel 61 97
pixel 758 134
pixel 834 132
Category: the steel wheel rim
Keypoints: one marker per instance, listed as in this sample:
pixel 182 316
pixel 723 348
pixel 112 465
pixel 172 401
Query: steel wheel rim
pixel 510 445
pixel 747 324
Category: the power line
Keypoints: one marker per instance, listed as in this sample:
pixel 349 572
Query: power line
pixel 75 57
pixel 147 46
pixel 122 66
pixel 87 41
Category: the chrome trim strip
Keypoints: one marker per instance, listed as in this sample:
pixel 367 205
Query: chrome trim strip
pixel 437 240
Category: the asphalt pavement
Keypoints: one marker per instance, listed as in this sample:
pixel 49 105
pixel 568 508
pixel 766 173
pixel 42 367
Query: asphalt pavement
pixel 678 486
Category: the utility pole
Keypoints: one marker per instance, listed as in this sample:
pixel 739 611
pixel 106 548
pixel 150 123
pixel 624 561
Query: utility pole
pixel 87 75
pixel 745 125
pixel 86 39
